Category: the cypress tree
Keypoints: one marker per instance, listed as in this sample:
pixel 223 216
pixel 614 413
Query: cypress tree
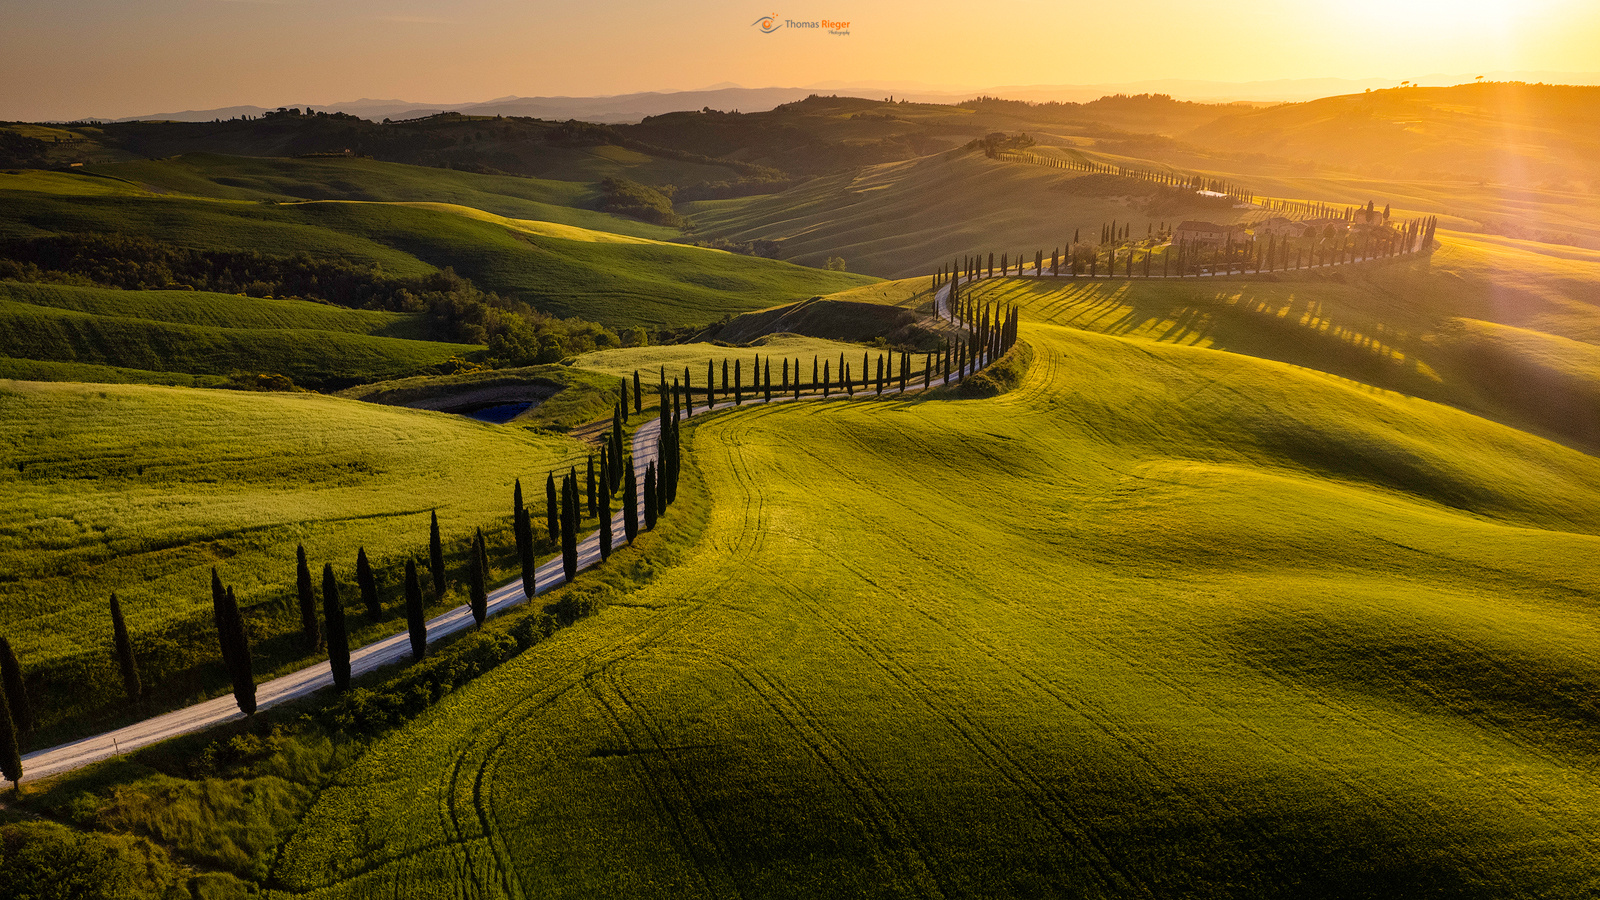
pixel 436 556
pixel 552 511
pixel 880 374
pixel 813 374
pixel 15 691
pixel 368 585
pixel 10 747
pixel 767 392
pixel 309 630
pixel 824 380
pixel 650 496
pixel 711 383
pixel 738 394
pixel 726 390
pixel 638 393
pixel 522 525
pixel 338 638
pixel 630 505
pixel 616 454
pixel 688 394
pixel 569 529
pixel 605 526
pixel 594 495
pixel 663 463
pixel 477 589
pixel 416 625
pixel 236 652
pixel 124 649
pixel 785 387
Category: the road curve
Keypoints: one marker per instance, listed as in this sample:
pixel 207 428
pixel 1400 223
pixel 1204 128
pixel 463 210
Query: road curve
pixel 395 648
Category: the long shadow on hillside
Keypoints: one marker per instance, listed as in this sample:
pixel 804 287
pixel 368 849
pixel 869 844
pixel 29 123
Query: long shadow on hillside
pixel 1321 325
pixel 1541 702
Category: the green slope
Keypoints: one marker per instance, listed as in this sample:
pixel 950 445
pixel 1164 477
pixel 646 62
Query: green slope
pixel 567 202
pixel 211 334
pixel 1164 621
pixel 564 267
pixel 141 490
pixel 898 220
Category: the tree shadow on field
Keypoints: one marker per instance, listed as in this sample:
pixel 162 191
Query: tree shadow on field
pixel 1546 703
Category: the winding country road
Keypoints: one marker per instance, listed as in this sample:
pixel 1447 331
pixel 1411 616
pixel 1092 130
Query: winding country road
pixel 397 648
pixel 393 649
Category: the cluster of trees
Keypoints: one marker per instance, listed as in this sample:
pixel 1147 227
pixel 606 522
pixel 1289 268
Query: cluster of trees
pixel 455 310
pixel 639 201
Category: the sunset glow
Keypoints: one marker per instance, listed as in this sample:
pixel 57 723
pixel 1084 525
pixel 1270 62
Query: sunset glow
pixel 146 56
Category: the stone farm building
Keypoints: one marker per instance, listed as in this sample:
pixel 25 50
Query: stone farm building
pixel 1208 234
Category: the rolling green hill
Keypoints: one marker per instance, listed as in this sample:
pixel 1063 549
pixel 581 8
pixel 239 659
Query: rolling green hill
pixel 899 220
pixel 141 490
pixel 1490 131
pixel 568 202
pixel 562 267
pixel 1163 621
pixel 196 333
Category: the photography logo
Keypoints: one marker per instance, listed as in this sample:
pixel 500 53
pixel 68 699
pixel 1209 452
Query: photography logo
pixel 769 24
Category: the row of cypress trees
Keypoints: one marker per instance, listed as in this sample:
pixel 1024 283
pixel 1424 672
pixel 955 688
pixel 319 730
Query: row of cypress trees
pixel 1195 258
pixel 615 471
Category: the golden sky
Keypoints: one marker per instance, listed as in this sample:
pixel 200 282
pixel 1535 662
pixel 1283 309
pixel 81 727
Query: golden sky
pixel 69 58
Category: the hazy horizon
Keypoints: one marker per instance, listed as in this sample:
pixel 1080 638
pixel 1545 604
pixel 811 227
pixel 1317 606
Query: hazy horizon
pixel 144 57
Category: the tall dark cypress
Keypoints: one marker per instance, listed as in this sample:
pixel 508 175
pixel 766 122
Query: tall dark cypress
pixel 310 632
pixel 663 461
pixel 10 745
pixel 569 529
pixel 522 525
pixel 416 625
pixel 630 505
pixel 688 394
pixel 594 493
pixel 338 638
pixel 552 509
pixel 15 691
pixel 738 392
pixel 477 589
pixel 605 526
pixel 436 556
pixel 711 383
pixel 650 496
pixel 767 381
pixel 726 387
pixel 880 374
pixel 238 644
pixel 124 649
pixel 638 393
pixel 483 562
pixel 617 453
pixel 368 585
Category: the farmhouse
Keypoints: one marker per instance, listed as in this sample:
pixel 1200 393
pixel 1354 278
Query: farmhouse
pixel 1207 234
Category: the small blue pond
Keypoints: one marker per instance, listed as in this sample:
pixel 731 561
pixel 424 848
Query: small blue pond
pixel 500 413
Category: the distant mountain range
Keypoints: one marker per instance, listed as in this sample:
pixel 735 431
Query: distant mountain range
pixel 629 108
